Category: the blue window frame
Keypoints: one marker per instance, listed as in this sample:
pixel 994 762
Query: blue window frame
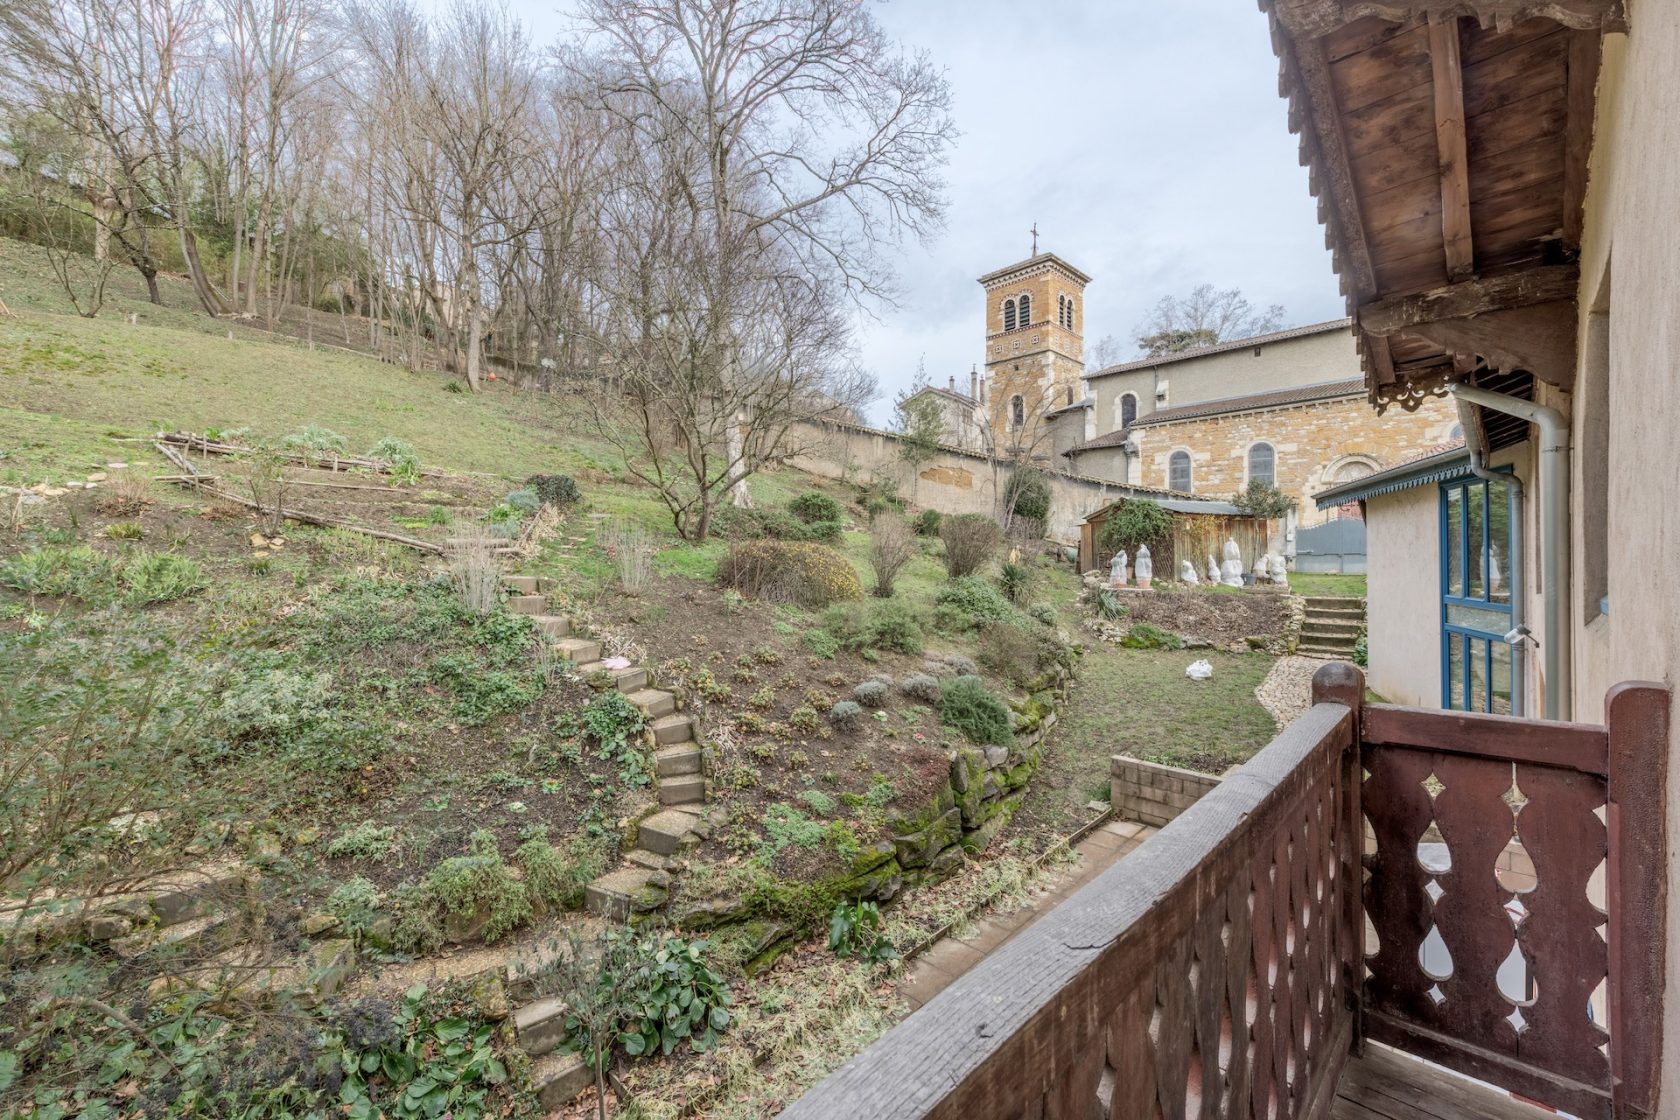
pixel 1478 578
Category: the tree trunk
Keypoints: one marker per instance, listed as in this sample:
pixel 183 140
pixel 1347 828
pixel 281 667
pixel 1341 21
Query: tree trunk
pixel 207 294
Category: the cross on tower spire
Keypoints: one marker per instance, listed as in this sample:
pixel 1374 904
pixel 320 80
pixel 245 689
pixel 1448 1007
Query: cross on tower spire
pixel 1035 239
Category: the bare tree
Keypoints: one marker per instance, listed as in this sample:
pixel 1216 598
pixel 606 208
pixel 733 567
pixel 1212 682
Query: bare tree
pixel 1204 317
pixel 1106 351
pixel 920 424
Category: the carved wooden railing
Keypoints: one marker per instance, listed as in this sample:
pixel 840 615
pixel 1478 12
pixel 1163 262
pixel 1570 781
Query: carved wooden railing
pixel 1209 974
pixel 1500 983
pixel 1216 972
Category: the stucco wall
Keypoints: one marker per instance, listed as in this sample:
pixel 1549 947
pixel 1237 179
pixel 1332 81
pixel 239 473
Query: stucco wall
pixel 1633 211
pixel 1403 596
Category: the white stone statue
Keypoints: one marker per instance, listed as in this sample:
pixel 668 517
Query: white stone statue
pixel 1262 569
pixel 1117 570
pixel 1212 569
pixel 1280 572
pixel 1231 572
pixel 1189 573
pixel 1145 569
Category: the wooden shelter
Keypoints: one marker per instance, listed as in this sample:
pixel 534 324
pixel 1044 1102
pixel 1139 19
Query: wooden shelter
pixel 1199 528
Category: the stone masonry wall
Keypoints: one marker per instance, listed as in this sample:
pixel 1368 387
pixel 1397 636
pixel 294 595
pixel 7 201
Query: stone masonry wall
pixel 1314 442
pixel 1153 794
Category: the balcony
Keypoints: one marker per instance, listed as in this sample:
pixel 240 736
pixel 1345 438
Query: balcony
pixel 1327 933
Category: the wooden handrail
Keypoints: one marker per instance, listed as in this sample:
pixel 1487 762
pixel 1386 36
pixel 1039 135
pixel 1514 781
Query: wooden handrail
pixel 1213 967
pixel 1567 746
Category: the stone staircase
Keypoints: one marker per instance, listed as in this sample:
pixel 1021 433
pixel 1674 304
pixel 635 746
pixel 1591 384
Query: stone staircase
pixel 1331 627
pixel 641 883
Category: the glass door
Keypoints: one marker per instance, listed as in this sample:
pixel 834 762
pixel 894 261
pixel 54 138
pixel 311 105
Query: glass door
pixel 1477 581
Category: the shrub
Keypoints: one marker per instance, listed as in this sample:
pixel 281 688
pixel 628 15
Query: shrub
pixel 754 524
pixel 1016 581
pixel 481 883
pixel 159 577
pixel 1261 499
pixel 555 880
pixel 273 701
pixel 927 523
pixel 1135 523
pixel 846 715
pixel 355 904
pixel 821 643
pixel 921 686
pixel 965 704
pixel 395 454
pixel 1362 652
pixel 1143 635
pixel 970 601
pixel 804 719
pixel 812 507
pixel 888 625
pixel 790 572
pixel 871 694
pixel 525 501
pixel 891 546
pixel 1109 605
pixel 1011 652
pixel 970 540
pixel 315 442
pixel 1028 497
pixel 1043 613
pixel 127 493
pixel 365 841
pixel 554 489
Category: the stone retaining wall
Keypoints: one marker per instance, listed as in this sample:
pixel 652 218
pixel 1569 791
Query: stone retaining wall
pixel 1151 793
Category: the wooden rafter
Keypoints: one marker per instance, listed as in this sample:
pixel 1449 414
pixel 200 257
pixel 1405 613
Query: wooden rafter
pixel 1450 144
pixel 1544 284
pixel 1319 17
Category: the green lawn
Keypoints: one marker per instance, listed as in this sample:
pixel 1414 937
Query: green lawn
pixel 1316 583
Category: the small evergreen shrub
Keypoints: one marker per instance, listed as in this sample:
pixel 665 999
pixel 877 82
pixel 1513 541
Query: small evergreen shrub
pixel 481 882
pixel 921 686
pixel 555 879
pixel 812 507
pixel 846 715
pixel 554 489
pixel 1028 497
pixel 968 602
pixel 1143 635
pixel 965 704
pixel 821 643
pixel 871 694
pixel 1043 613
pixel 525 501
pixel 927 523
pixel 1135 523
pixel 1011 652
pixel 808 574
pixel 970 540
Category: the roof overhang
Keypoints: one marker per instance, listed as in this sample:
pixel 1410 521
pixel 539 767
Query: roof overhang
pixel 1451 463
pixel 1448 142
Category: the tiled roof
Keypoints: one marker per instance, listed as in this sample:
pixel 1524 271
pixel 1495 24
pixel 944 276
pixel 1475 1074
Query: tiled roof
pixel 1276 398
pixel 961 398
pixel 1222 347
pixel 1112 439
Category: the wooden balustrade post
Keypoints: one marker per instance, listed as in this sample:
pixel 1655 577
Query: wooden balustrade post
pixel 1636 895
pixel 1339 682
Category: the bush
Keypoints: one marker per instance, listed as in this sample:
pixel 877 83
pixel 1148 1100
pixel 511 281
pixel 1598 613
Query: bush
pixel 1028 496
pixel 812 507
pixel 1143 635
pixel 970 601
pixel 355 904
pixel 737 524
pixel 554 489
pixel 315 442
pixel 888 625
pixel 965 704
pixel 970 540
pixel 1135 523
pixel 159 577
pixel 891 546
pixel 1016 581
pixel 395 453
pixel 273 701
pixel 365 841
pixel 1043 613
pixel 927 523
pixel 481 883
pixel 871 694
pixel 1011 652
pixel 804 720
pixel 921 686
pixel 1261 499
pixel 846 715
pixel 555 880
pixel 525 501
pixel 821 643
pixel 789 572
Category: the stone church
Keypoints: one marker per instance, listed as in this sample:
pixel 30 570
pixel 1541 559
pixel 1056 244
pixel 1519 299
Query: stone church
pixel 1287 407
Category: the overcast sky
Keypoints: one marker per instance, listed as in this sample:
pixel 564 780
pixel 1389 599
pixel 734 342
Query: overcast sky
pixel 1145 137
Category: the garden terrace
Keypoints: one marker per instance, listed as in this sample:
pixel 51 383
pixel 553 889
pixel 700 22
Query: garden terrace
pixel 1333 910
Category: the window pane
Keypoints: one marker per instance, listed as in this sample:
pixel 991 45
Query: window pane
pixel 1501 679
pixel 1485 619
pixel 1455 671
pixel 1455 542
pixel 1178 472
pixel 1478 654
pixel 1476 587
pixel 1128 410
pixel 1261 463
pixel 1499 542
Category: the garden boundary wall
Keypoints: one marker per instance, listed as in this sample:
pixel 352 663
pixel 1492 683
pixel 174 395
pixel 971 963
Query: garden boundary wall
pixel 1151 793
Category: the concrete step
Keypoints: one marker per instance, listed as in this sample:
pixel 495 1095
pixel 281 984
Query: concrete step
pixel 1348 630
pixel 620 894
pixel 631 679
pixel 653 861
pixel 520 585
pixel 541 1026
pixel 1335 616
pixel 553 625
pixel 653 702
pixel 669 762
pixel 559 1078
pixel 581 650
pixel 527 604
pixel 685 789
pixel 1335 602
pixel 669 730
pixel 545 584
pixel 665 831
pixel 1329 652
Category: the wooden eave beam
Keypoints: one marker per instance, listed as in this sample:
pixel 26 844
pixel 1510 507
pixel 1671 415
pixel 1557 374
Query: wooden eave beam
pixel 1451 147
pixel 1543 284
pixel 1320 17
pixel 1585 54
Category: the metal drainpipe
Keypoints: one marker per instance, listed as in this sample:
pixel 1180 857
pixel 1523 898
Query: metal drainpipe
pixel 1479 468
pixel 1554 536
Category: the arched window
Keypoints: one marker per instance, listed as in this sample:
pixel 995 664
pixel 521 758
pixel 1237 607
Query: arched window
pixel 1178 472
pixel 1008 314
pixel 1061 311
pixel 1026 311
pixel 1017 411
pixel 1070 394
pixel 1070 315
pixel 1456 434
pixel 1128 410
pixel 1262 464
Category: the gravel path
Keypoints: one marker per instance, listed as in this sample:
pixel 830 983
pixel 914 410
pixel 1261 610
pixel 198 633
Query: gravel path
pixel 1287 690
